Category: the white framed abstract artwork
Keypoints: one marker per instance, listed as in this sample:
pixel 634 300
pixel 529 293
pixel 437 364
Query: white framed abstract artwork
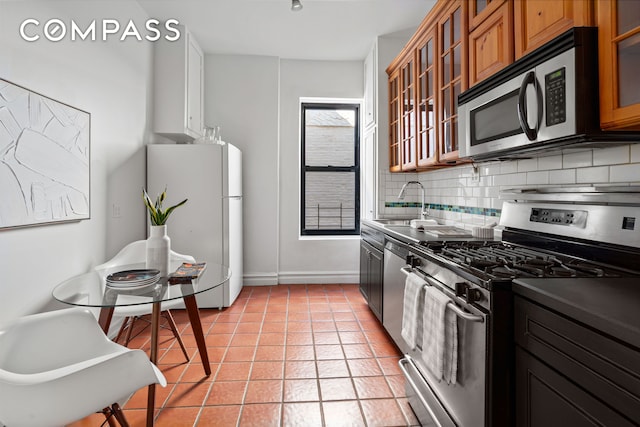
pixel 44 159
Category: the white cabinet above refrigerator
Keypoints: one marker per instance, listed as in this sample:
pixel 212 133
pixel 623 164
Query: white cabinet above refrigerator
pixel 178 88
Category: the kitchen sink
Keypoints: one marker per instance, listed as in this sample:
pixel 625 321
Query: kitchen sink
pixel 416 223
pixel 393 221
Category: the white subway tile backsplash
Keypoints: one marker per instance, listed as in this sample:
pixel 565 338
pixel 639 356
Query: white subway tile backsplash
pixel 550 162
pixel 539 177
pixel 562 176
pixel 579 159
pixel 625 173
pixel 496 203
pixel 488 169
pixel 484 202
pixel 527 165
pixel 511 179
pixel 611 156
pixel 493 192
pixel 508 167
pixel 635 153
pixel 459 187
pixel 598 174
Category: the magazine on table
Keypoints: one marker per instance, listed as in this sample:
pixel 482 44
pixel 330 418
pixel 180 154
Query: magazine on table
pixel 187 272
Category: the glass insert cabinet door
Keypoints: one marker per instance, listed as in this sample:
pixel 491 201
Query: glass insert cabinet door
pixel 408 134
pixel 619 50
pixel 395 149
pixel 426 118
pixel 453 78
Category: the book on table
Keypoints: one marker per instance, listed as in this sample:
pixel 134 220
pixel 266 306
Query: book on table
pixel 187 272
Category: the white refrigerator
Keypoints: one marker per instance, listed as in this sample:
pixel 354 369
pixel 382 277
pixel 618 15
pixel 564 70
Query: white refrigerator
pixel 209 225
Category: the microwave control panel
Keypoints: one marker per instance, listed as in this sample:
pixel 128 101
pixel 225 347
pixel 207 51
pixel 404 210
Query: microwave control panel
pixel 555 97
pixel 559 217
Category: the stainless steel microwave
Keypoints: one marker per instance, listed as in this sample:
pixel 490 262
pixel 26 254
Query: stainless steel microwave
pixel 545 101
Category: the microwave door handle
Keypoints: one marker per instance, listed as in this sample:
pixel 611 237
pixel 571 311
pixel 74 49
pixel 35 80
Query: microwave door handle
pixel 530 78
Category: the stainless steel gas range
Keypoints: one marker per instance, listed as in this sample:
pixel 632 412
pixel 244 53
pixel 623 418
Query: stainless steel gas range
pixel 546 233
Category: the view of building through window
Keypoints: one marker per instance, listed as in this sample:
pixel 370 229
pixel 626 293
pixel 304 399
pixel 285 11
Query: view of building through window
pixel 330 169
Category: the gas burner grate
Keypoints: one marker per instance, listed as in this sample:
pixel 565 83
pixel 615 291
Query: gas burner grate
pixel 504 261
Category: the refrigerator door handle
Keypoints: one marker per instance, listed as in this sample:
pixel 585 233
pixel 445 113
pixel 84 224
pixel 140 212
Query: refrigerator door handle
pixel 232 197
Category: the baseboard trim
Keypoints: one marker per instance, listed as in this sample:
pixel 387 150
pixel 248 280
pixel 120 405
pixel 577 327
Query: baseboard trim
pixel 300 277
pixel 318 277
pixel 260 279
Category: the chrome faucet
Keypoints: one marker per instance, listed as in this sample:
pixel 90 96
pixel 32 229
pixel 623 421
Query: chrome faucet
pixel 424 212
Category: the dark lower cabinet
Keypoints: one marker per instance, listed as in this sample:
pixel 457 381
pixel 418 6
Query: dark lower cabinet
pixel 569 375
pixel 371 266
pixel 545 398
pixel 364 269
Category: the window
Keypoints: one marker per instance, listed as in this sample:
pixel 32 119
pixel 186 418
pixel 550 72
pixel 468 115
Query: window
pixel 330 175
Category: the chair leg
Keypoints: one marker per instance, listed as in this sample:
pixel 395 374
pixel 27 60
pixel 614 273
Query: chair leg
pixel 125 322
pixel 174 328
pixel 119 415
pixel 107 412
pixel 131 321
pixel 114 413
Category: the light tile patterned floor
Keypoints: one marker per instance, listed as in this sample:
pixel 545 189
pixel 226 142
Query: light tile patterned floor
pixel 296 355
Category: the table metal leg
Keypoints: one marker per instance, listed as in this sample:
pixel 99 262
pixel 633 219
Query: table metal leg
pixel 151 397
pixel 194 318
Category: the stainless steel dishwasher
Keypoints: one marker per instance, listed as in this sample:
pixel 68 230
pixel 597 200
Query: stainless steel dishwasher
pixel 395 256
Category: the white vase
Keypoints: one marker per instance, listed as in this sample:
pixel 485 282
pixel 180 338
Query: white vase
pixel 158 249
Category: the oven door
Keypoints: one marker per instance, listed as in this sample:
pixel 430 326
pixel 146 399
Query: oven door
pixel 438 403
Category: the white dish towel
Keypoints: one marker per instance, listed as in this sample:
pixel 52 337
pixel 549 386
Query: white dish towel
pixel 440 336
pixel 412 308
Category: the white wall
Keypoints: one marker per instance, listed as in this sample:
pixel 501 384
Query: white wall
pixel 255 100
pixel 311 260
pixel 241 96
pixel 111 80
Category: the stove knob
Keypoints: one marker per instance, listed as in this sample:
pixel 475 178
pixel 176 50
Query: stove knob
pixel 412 261
pixel 470 295
pixel 461 289
pixel 473 295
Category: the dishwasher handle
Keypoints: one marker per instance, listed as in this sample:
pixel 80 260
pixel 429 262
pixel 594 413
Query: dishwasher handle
pixel 396 247
pixel 412 261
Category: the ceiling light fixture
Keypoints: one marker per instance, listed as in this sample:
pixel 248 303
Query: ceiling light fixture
pixel 296 5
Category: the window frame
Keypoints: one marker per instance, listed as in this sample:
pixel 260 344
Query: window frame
pixel 355 168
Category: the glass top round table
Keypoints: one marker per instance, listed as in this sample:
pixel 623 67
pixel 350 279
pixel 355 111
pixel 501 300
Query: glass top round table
pixel 91 290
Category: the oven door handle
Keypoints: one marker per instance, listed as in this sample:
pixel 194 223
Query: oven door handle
pixel 451 305
pixel 407 360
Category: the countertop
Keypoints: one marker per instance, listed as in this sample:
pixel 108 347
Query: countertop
pixel 409 235
pixel 610 305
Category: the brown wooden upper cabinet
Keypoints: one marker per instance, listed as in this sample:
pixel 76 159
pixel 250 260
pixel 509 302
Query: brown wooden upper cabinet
pixel 424 83
pixel 395 151
pixel 538 21
pixel 408 112
pixel 427 149
pixel 452 70
pixel 462 42
pixel 619 60
pixel 490 38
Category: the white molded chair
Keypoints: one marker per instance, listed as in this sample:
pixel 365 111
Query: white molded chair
pixel 58 367
pixel 136 252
